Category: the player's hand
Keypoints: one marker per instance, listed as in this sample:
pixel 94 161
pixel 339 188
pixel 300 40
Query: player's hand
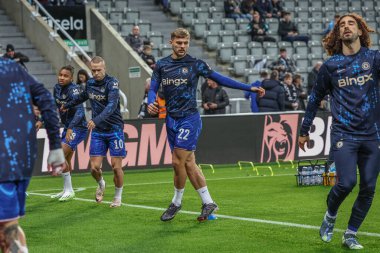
pixel 205 106
pixel 62 108
pixel 153 109
pixel 302 140
pixel 56 161
pixel 259 90
pixel 38 125
pixel 69 133
pixel 91 125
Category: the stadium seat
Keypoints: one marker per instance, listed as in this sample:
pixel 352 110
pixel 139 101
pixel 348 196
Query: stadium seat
pixel 121 4
pixel 368 4
pixel 314 13
pixel 228 24
pixel 289 4
pixel 270 48
pixel 240 48
pixel 342 4
pixel 199 26
pixel 302 13
pixel 202 13
pixel 212 39
pixel 316 48
pixel 301 62
pixel 165 49
pixel 132 14
pixel 216 14
pixel 329 4
pixel 303 4
pixel 116 16
pixel 214 25
pixel 126 27
pixel 105 5
pixel 156 38
pixel 317 4
pixel 313 59
pixel 205 4
pixel 273 24
pixel 191 4
pixel 251 75
pixel 355 3
pixel 242 36
pixel 242 23
pixel 256 49
pixel 187 15
pixel 227 36
pixel 175 6
pixel 225 51
pixel 303 27
pixel 239 64
pixel 300 48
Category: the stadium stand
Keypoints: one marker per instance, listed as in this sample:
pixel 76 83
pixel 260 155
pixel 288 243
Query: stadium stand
pixel 37 66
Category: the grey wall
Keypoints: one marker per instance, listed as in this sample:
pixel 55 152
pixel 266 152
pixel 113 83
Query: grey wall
pixel 119 57
pixel 53 49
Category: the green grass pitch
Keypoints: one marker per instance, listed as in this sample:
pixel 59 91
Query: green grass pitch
pixel 257 214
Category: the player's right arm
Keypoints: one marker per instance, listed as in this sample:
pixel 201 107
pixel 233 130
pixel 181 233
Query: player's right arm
pixel 152 93
pixel 79 99
pixel 319 91
pixel 43 99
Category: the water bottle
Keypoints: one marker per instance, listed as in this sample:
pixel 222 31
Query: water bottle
pixel 302 176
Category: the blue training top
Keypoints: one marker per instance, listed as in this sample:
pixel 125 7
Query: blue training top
pixel 353 82
pixel 179 79
pixel 74 117
pixel 18 143
pixel 105 103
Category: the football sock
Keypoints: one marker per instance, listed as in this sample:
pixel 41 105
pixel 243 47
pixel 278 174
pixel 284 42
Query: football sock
pixel 118 192
pixel 330 216
pixel 178 194
pixel 67 186
pixel 205 195
pixel 351 230
pixel 101 183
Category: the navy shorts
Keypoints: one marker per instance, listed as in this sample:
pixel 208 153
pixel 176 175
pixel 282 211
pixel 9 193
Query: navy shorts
pixel 102 141
pixel 184 132
pixel 77 136
pixel 12 199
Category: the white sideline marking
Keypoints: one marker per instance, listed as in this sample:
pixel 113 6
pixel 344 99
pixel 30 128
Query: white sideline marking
pixel 280 223
pixel 170 182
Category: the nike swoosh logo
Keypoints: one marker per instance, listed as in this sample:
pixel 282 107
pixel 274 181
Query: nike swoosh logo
pixel 340 70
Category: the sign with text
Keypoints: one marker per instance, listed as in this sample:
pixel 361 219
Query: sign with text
pixel 71 18
pixel 225 139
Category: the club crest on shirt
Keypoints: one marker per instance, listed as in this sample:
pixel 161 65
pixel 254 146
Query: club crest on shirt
pixel 115 85
pixel 185 71
pixel 339 144
pixel 102 89
pixel 366 65
pixel 64 96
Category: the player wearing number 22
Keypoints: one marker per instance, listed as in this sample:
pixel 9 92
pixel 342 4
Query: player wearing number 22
pixel 351 75
pixel 106 125
pixel 178 74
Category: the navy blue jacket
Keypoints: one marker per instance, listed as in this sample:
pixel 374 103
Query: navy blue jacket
pixel 19 91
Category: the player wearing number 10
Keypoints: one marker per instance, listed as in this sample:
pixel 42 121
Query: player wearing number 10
pixel 178 74
pixel 106 125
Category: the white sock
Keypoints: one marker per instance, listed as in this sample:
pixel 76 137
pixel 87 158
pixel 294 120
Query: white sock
pixel 178 194
pixel 330 216
pixel 118 192
pixel 205 195
pixel 67 186
pixel 102 183
pixel 349 231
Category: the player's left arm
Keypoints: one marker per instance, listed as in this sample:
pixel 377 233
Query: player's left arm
pixel 113 100
pixel 205 71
